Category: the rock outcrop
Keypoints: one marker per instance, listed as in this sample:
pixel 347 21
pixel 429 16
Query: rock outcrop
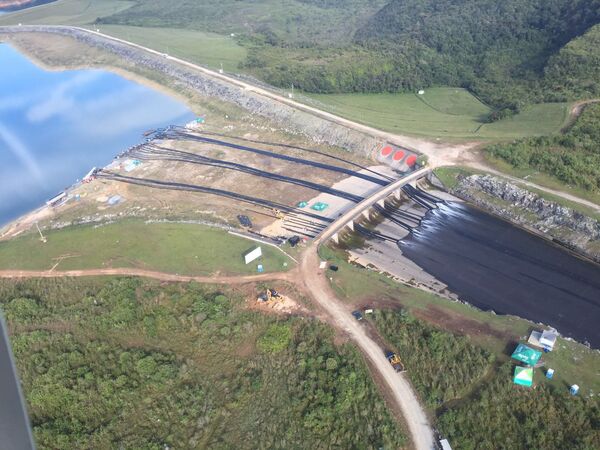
pixel 564 225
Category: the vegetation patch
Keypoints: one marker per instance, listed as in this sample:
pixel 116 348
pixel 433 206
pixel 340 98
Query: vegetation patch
pixel 130 363
pixel 501 413
pixel 573 157
pixel 456 376
pixel 276 338
pixel 441 366
pixel 188 249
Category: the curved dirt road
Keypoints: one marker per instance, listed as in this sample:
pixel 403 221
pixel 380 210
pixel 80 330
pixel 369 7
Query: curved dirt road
pixel 317 285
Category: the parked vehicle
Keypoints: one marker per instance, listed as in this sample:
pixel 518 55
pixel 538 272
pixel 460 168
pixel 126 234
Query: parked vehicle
pixel 395 361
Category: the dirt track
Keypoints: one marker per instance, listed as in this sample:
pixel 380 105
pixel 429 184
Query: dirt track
pixel 162 276
pixel 397 384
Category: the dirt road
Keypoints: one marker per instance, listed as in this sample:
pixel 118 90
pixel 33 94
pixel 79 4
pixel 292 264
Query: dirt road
pixel 317 285
pixel 162 276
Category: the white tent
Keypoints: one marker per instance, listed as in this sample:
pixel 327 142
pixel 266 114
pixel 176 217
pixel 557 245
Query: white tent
pixel 548 339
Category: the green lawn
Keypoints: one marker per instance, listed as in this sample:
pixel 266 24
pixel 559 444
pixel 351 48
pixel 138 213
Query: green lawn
pixel 207 49
pixel 169 247
pixel 66 12
pixel 440 112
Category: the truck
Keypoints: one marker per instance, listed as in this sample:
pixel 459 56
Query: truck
pixel 394 360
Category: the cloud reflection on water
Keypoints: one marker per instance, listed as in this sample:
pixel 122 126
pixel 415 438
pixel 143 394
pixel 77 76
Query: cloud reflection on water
pixel 55 126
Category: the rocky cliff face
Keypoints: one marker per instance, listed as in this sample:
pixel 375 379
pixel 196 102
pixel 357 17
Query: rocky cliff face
pixel 564 225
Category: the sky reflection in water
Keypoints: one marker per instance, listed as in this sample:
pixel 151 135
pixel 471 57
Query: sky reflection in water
pixel 55 126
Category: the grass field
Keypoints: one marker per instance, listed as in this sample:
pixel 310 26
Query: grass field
pixel 574 363
pixel 185 249
pixel 207 49
pixel 440 112
pixel 66 12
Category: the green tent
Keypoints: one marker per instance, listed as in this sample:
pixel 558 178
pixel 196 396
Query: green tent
pixel 523 376
pixel 302 204
pixel 320 206
pixel 526 354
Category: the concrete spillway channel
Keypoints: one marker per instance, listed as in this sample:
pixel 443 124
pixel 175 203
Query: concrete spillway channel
pixel 158 184
pixel 421 197
pixel 293 147
pixel 153 152
pixel 174 134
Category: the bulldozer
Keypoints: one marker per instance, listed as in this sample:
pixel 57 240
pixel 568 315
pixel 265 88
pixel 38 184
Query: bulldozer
pixel 395 361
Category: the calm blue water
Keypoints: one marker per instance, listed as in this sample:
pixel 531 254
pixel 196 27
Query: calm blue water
pixel 55 126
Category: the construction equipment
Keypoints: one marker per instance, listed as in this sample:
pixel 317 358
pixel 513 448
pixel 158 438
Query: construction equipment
pixel 278 214
pixel 269 295
pixel 42 237
pixel 395 361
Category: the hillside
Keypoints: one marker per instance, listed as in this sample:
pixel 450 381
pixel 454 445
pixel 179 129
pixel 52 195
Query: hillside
pixel 499 50
pixel 509 54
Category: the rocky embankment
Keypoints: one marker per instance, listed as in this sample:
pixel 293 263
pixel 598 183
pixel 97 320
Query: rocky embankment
pixel 570 228
pixel 291 119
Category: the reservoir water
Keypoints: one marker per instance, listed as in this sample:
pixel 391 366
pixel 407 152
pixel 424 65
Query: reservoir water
pixel 56 125
pixel 496 266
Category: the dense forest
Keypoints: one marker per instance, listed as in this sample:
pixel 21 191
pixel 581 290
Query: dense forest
pixel 477 405
pixel 126 363
pixel 572 157
pixel 509 53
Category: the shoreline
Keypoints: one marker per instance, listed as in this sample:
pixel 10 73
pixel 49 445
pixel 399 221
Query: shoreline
pixel 24 222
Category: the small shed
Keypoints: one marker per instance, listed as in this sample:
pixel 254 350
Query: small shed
pixel 548 340
pixel 523 376
pixel 526 355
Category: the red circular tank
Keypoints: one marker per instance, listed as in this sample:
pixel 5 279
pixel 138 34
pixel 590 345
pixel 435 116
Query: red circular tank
pixel 398 155
pixel 411 160
pixel 385 151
